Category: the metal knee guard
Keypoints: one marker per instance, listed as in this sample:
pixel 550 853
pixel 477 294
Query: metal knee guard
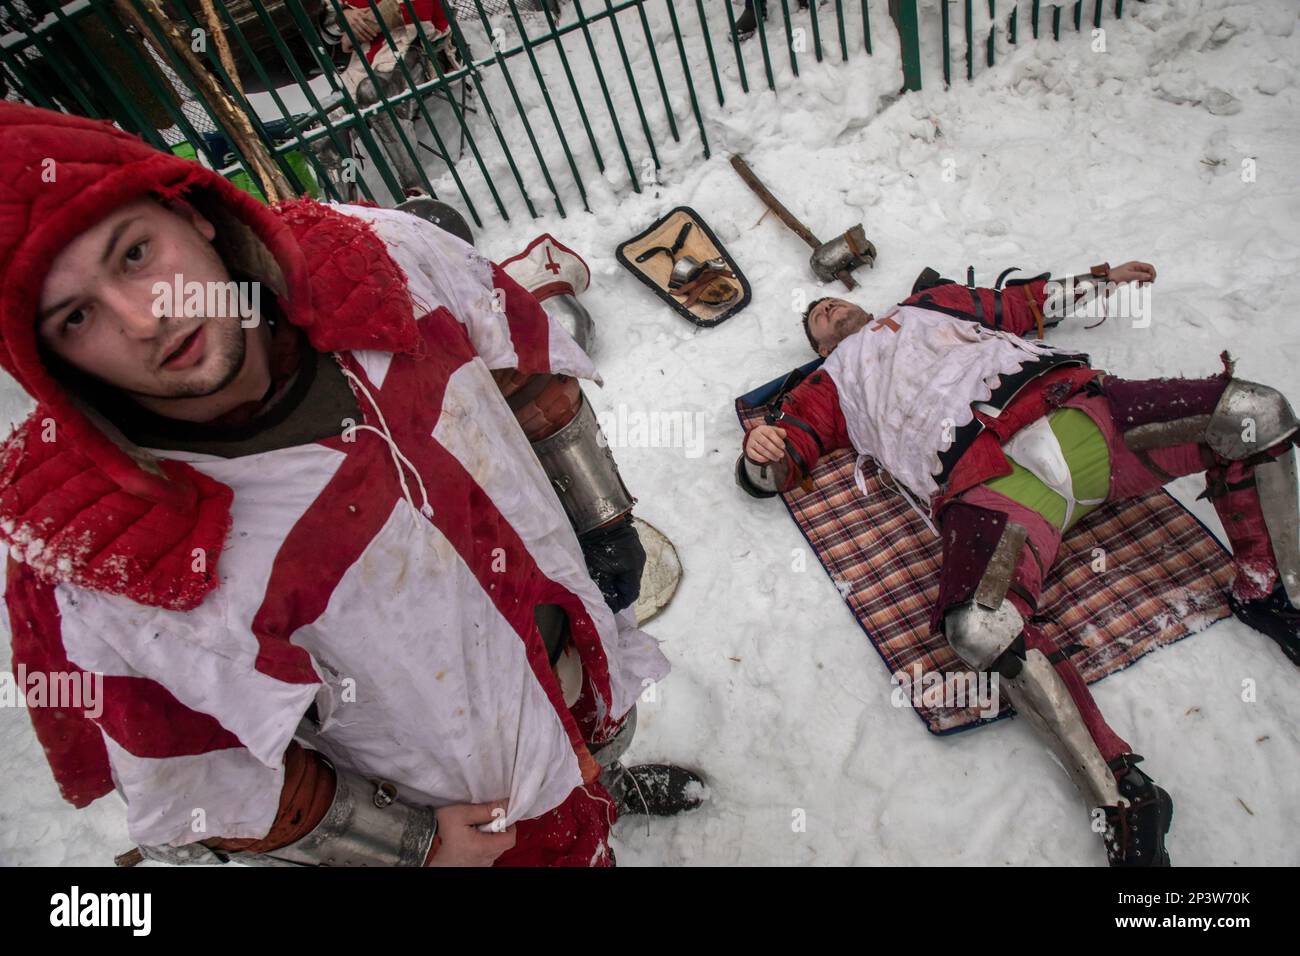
pixel 983 632
pixel 1248 419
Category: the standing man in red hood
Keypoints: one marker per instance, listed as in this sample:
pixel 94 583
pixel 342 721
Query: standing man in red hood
pixel 278 493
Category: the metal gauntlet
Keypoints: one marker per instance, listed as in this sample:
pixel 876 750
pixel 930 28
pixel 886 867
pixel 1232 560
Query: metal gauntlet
pixel 581 467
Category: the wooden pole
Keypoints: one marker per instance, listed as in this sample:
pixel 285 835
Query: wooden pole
pixel 235 122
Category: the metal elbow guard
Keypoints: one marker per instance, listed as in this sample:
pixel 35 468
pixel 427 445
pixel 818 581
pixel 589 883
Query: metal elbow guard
pixel 365 825
pixel 757 481
pixel 582 470
pixel 1249 418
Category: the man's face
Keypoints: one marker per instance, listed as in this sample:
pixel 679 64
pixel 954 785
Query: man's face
pixel 97 307
pixel 832 321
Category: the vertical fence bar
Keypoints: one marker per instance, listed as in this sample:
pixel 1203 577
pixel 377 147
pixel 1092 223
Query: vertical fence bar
pixel 659 74
pixel 432 54
pixel 573 85
pixel 816 30
pixel 866 27
pixel 35 38
pixel 735 45
pixel 947 53
pixel 762 43
pixel 844 40
pixel 1078 15
pixel 546 98
pixel 631 82
pixel 308 155
pixel 909 34
pixel 583 22
pixel 521 112
pixel 1011 25
pixel 789 35
pixel 146 128
pixel 16 67
pixel 418 98
pixel 708 48
pixel 1034 18
pixel 1119 9
pixel 327 66
pixel 686 72
pixel 233 89
pixel 992 31
pixel 970 41
pixel 1096 13
pixel 1056 23
pixel 462 48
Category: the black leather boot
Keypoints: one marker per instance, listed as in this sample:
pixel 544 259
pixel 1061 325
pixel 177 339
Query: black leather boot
pixel 1135 833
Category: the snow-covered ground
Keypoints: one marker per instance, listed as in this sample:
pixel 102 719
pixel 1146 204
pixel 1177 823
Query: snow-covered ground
pixel 1059 157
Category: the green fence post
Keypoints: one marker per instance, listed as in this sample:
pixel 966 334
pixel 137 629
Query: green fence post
pixel 604 89
pixel 1034 19
pixel 708 47
pixel 631 82
pixel 866 27
pixel 844 40
pixel 970 41
pixel 654 61
pixel 909 35
pixel 992 30
pixel 789 35
pixel 546 98
pixel 690 83
pixel 735 45
pixel 947 54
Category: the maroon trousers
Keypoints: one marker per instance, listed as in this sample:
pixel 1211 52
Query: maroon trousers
pixel 1123 405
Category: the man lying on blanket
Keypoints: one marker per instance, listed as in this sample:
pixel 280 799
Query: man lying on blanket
pixel 1009 443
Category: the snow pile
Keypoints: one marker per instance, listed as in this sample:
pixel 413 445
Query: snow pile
pixel 1176 145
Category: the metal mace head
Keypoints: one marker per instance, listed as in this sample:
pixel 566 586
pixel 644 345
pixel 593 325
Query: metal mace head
pixel 843 254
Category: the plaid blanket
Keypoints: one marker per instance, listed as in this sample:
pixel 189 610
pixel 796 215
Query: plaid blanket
pixel 1164 576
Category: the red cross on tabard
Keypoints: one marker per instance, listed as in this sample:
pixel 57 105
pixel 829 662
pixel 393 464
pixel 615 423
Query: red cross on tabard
pixel 551 265
pixel 357 501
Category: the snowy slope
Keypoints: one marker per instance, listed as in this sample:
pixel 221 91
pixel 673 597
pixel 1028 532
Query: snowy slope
pixel 1058 157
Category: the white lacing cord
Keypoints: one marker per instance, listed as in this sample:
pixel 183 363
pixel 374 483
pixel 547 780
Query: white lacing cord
pixel 399 459
pixel 915 505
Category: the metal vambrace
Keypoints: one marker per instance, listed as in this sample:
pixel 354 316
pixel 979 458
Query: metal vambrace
pixel 365 825
pixel 582 470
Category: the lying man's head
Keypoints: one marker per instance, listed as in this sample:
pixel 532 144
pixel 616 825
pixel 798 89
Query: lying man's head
pixel 829 321
pixel 100 315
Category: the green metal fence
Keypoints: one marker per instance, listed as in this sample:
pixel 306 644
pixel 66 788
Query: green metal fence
pixel 520 99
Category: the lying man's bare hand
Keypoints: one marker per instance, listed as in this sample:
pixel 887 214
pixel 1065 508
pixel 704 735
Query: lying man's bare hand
pixel 1133 272
pixel 766 444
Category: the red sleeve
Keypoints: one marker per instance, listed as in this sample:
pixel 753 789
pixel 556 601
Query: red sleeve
pixel 429 11
pixel 1019 303
pixel 73 745
pixel 816 403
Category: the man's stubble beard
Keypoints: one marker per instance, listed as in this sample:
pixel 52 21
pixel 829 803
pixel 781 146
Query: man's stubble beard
pixel 233 355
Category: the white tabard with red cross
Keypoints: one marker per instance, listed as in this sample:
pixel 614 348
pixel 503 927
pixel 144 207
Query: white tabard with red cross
pixel 410 626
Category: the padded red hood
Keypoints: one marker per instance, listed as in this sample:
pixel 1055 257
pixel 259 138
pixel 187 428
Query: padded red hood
pixel 77 500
